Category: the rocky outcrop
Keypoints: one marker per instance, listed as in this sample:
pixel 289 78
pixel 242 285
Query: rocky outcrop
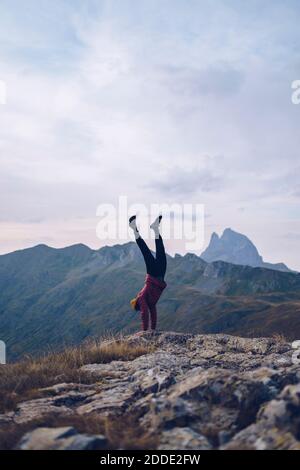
pixel 191 391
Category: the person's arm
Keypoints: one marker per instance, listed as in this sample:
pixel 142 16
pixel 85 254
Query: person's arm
pixel 153 313
pixel 144 313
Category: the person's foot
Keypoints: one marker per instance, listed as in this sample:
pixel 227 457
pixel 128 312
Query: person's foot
pixel 132 221
pixel 156 223
pixel 132 225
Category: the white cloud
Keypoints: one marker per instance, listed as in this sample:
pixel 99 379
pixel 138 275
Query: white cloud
pixel 118 97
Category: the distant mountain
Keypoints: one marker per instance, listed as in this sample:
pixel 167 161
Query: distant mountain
pixel 233 247
pixel 53 297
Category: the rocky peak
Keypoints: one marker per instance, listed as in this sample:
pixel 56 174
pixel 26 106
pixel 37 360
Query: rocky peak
pixel 232 247
pixel 189 391
pixel 119 255
pixel 236 248
pixel 214 238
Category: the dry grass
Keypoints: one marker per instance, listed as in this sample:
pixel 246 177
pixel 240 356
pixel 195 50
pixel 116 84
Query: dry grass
pixel 22 380
pixel 279 338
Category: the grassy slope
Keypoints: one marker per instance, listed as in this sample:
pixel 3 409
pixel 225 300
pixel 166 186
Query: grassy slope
pixel 241 315
pixel 23 380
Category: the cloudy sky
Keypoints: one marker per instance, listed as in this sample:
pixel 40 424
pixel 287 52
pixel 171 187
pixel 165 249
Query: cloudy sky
pixel 164 101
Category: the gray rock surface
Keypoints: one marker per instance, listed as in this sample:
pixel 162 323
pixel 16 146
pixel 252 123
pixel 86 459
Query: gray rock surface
pixel 192 391
pixel 66 438
pixel 183 439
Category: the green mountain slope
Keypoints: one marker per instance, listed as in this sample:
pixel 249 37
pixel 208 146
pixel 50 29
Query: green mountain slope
pixel 52 297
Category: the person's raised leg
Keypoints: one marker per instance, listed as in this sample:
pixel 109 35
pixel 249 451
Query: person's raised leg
pixel 161 259
pixel 149 259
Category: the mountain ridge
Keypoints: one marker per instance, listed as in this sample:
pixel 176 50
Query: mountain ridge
pixel 50 297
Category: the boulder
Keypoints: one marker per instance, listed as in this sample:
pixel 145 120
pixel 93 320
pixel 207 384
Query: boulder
pixel 64 438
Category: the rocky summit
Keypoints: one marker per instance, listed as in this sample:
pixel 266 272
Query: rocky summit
pixel 191 392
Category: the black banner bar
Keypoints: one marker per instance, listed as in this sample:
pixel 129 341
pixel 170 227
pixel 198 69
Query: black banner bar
pixel 137 459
